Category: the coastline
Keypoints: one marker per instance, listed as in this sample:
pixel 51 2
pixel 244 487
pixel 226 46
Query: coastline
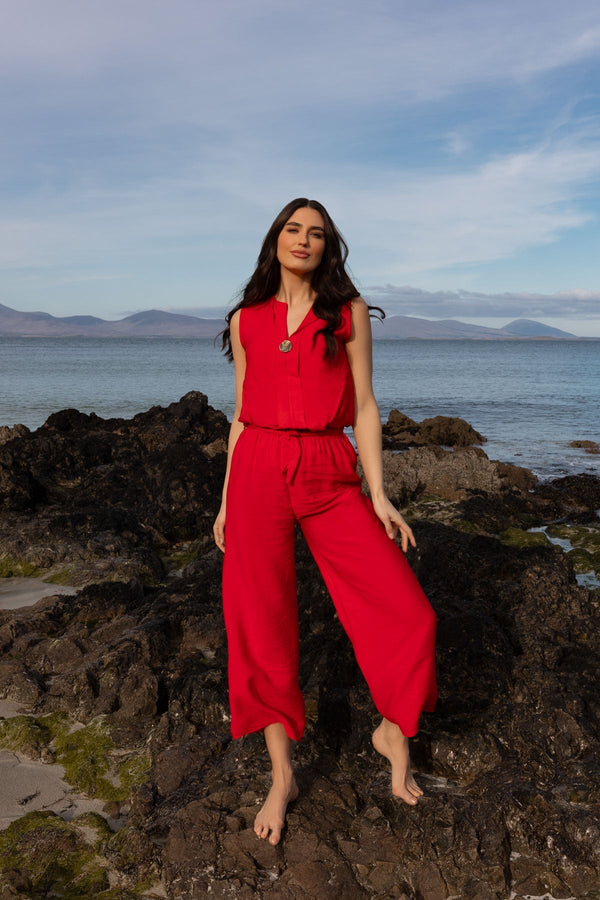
pixel 530 401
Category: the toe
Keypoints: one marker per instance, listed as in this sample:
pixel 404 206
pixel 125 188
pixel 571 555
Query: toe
pixel 404 794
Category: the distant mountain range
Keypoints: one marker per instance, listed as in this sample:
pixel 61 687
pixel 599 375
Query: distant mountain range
pixel 410 327
pixel 155 323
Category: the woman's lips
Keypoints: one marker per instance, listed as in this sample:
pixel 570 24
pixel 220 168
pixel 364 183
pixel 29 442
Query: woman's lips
pixel 300 254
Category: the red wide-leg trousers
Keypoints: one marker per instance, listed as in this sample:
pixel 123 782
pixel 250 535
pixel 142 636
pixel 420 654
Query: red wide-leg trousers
pixel 279 478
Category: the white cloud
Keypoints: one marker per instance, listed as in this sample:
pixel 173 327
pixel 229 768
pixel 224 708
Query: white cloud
pixel 401 225
pixel 154 142
pixel 410 301
pixel 190 58
pixel 496 210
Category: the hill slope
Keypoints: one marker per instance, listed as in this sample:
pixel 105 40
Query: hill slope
pixel 529 328
pixel 153 323
pixel 157 323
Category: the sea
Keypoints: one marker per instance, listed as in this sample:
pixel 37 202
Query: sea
pixel 530 399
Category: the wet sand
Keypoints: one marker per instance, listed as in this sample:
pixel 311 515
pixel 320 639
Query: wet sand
pixel 18 592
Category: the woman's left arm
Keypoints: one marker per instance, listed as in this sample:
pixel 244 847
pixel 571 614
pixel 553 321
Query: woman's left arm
pixel 367 423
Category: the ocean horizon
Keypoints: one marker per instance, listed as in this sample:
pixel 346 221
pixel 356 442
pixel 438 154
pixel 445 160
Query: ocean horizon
pixel 530 399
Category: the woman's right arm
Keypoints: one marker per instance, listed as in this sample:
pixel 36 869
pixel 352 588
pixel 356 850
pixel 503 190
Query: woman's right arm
pixel 239 361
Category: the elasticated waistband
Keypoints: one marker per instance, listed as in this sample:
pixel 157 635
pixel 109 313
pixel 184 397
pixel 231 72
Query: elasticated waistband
pixel 296 432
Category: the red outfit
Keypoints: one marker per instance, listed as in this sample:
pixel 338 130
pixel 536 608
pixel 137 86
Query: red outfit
pixel 293 463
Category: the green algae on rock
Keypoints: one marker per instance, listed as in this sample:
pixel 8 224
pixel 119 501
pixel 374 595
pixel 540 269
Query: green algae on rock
pixel 32 736
pixel 581 544
pixel 180 555
pixel 88 754
pixel 88 757
pixel 43 856
pixel 516 537
pixel 51 857
pixel 14 567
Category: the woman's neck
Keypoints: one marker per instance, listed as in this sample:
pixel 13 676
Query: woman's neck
pixel 295 290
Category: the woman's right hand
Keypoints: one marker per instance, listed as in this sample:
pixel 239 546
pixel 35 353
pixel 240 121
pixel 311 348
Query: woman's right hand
pixel 219 528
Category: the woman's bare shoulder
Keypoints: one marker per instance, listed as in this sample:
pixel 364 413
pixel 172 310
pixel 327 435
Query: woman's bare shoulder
pixel 361 322
pixel 234 322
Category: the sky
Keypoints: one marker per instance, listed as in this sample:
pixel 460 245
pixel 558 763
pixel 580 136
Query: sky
pixel 147 146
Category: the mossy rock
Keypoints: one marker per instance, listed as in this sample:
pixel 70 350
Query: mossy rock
pixel 578 536
pixel 87 754
pixel 11 567
pixel 43 856
pixel 133 771
pixel 590 542
pixel 63 576
pixel 180 556
pixel 29 735
pixel 94 827
pixel 133 853
pixel 53 856
pixel 583 561
pixel 87 757
pixel 516 537
pixel 571 533
pixel 467 527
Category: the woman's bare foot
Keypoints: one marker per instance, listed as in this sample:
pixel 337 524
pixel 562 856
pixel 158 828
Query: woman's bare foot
pixel 270 820
pixel 391 743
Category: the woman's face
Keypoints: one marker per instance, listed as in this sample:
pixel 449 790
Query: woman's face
pixel 301 241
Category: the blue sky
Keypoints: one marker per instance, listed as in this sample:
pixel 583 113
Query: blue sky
pixel 146 147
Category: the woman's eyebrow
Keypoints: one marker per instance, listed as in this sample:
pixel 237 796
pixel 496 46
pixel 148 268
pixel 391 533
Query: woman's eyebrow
pixel 312 228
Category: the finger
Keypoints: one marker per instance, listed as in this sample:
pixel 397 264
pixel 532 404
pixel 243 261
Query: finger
pixel 408 534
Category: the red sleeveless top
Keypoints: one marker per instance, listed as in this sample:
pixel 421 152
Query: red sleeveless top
pixel 300 388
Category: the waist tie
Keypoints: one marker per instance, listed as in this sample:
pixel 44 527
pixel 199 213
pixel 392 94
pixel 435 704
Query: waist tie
pixel 295 432
pixel 291 466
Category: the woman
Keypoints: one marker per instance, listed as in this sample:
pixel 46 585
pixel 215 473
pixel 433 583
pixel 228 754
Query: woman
pixel 300 339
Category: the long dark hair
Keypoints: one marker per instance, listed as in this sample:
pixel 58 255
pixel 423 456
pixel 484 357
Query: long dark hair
pixel 330 281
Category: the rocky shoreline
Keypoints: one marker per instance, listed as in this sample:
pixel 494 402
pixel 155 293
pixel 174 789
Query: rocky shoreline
pixel 509 761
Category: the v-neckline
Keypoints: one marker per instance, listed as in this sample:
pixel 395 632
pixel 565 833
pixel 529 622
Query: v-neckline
pixel 286 310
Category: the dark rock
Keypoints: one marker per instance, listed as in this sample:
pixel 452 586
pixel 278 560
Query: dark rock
pixel 8 433
pixel 89 498
pixel 589 446
pixel 577 496
pixel 401 432
pixel 509 761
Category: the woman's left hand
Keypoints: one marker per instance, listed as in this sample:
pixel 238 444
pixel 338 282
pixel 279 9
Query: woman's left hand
pixel 393 522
